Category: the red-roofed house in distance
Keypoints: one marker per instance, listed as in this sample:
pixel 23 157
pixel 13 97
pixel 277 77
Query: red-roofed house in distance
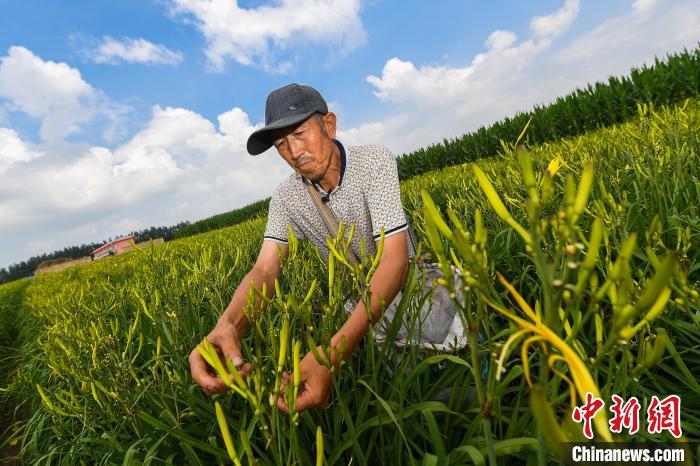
pixel 114 247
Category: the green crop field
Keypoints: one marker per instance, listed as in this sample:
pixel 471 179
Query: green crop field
pixel 579 264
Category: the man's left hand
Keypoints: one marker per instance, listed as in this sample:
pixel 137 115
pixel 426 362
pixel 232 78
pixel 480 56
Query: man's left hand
pixel 314 387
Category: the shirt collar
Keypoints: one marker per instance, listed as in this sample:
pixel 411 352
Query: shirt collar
pixel 342 161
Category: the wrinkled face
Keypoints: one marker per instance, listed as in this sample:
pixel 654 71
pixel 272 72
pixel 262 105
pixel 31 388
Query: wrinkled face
pixel 308 146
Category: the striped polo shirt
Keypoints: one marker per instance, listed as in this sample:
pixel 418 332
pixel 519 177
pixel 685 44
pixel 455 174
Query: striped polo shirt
pixel 367 196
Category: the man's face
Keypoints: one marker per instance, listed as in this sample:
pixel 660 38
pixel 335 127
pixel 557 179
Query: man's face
pixel 308 147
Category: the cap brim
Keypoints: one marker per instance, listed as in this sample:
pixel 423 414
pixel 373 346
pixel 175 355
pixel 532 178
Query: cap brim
pixel 259 141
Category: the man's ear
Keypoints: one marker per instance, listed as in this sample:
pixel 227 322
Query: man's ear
pixel 329 121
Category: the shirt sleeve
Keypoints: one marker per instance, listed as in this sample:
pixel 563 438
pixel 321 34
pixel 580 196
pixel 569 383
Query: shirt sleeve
pixel 384 197
pixel 279 220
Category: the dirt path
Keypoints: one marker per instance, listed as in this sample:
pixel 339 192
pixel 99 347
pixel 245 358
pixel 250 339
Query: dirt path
pixel 9 454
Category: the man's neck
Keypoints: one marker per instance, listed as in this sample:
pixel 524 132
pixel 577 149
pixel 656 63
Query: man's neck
pixel 332 177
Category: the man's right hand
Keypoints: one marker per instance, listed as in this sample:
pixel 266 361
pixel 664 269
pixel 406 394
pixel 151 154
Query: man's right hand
pixel 232 325
pixel 227 341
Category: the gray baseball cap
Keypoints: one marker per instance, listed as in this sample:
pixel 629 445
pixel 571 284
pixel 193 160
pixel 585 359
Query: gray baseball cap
pixel 285 107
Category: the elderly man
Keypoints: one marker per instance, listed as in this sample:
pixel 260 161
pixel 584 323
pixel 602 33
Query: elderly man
pixel 360 186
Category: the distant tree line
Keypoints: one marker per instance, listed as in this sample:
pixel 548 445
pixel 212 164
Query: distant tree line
pixel 233 217
pixel 665 82
pixel 27 267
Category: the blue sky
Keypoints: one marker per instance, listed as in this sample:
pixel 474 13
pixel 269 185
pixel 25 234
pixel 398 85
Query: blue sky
pixel 121 115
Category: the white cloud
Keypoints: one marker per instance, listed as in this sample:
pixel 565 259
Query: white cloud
pixel 52 92
pixel 644 6
pixel 261 36
pixel 13 150
pixel 128 224
pixel 625 41
pixel 112 51
pixel 501 63
pixel 557 23
pixel 378 132
pixel 175 143
pixel 95 181
pixel 499 40
pixel 179 166
pixel 41 246
pixel 513 75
